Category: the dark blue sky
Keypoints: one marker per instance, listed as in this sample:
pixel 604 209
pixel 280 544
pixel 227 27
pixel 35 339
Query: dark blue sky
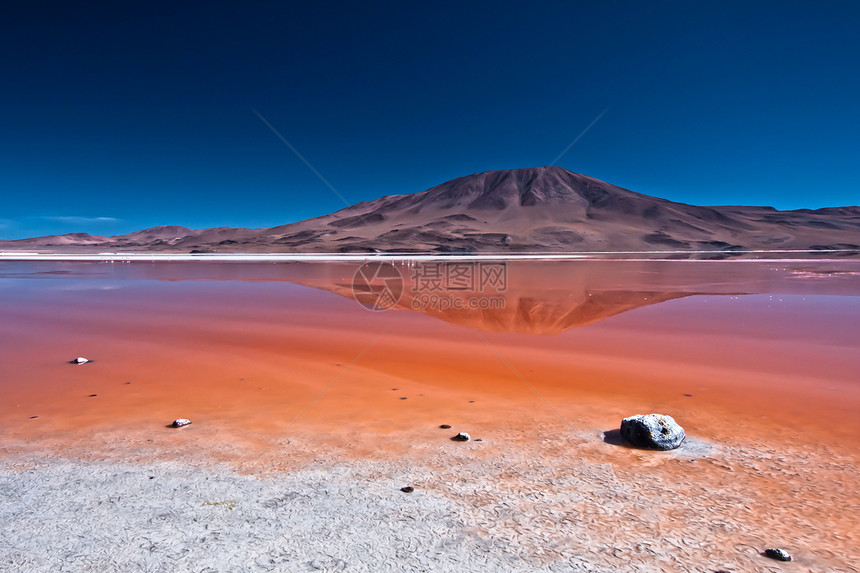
pixel 117 116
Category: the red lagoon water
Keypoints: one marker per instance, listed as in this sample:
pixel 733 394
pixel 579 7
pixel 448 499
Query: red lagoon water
pixel 278 366
pixel 253 354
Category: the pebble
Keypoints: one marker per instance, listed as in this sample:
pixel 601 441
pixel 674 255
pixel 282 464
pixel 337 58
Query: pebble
pixel 79 360
pixel 778 554
pixel 407 489
pixel 445 426
pixel 179 422
pixel 461 437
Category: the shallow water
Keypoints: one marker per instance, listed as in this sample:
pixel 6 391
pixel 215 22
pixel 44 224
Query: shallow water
pixel 280 368
pixel 253 352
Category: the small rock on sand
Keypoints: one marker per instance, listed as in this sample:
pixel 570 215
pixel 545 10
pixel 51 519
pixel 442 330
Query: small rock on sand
pixel 652 431
pixel 79 360
pixel 179 422
pixel 407 489
pixel 461 437
pixel 445 426
pixel 778 554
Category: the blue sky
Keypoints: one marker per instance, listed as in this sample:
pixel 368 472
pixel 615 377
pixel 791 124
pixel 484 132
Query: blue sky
pixel 120 116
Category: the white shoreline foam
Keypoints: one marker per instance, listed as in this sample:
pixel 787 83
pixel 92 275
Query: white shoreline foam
pixel 340 257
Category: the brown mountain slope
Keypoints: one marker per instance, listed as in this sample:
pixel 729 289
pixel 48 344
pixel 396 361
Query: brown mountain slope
pixel 535 209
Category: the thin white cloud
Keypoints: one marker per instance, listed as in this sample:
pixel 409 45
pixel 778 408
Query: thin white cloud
pixel 81 220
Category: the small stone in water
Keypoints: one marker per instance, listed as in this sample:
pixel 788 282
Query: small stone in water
pixel 778 554
pixel 79 360
pixel 652 431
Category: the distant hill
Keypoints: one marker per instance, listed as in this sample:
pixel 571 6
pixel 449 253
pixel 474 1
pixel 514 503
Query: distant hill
pixel 534 209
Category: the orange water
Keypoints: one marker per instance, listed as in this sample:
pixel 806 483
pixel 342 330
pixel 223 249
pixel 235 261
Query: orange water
pixel 252 361
pixel 277 366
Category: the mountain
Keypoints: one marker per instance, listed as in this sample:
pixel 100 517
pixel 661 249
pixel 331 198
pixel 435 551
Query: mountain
pixel 518 210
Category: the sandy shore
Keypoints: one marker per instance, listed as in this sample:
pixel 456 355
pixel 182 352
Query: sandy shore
pixel 570 503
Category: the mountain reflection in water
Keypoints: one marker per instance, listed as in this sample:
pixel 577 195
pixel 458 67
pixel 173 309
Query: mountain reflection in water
pixel 548 298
